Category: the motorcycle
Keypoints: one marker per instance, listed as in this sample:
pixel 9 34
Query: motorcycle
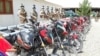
pixel 74 42
pixel 59 33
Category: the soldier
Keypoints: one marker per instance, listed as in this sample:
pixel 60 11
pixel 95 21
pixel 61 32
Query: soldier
pixel 52 13
pixel 62 13
pixel 34 15
pixel 42 13
pixel 96 16
pixel 48 13
pixel 22 14
pixel 56 14
pixel 59 13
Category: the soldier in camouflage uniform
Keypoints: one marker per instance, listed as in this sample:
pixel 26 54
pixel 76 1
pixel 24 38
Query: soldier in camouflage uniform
pixel 48 13
pixel 22 15
pixel 62 14
pixel 56 14
pixel 34 15
pixel 52 13
pixel 42 13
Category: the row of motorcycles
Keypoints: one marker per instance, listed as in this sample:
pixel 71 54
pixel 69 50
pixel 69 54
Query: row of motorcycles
pixel 64 36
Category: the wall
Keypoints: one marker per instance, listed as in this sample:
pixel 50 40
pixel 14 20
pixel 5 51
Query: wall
pixel 75 3
pixel 12 19
pixel 6 20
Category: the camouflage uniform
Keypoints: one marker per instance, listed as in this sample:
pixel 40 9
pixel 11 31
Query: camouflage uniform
pixel 52 13
pixel 42 13
pixel 22 15
pixel 48 13
pixel 57 14
pixel 34 14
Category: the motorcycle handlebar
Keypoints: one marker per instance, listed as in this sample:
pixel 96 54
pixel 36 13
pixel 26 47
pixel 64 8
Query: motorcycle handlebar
pixel 3 28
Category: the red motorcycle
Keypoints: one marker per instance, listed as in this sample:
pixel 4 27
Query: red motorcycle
pixel 74 39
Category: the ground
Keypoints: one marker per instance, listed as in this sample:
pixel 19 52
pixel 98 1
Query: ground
pixel 92 43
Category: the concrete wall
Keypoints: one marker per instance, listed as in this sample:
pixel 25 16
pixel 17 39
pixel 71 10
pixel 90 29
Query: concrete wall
pixel 13 19
pixel 75 3
pixel 6 20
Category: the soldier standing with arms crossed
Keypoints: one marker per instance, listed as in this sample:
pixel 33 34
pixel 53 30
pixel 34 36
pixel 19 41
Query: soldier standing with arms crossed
pixel 22 15
pixel 34 15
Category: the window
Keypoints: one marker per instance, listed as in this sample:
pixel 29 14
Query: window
pixel 6 7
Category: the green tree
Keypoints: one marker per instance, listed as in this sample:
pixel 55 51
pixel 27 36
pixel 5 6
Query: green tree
pixel 84 8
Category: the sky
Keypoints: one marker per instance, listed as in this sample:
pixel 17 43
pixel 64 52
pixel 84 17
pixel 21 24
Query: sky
pixel 74 3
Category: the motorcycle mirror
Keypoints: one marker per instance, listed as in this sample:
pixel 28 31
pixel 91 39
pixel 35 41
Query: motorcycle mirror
pixel 31 21
pixel 27 26
pixel 52 20
pixel 12 27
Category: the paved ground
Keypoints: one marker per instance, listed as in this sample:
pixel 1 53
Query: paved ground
pixel 92 43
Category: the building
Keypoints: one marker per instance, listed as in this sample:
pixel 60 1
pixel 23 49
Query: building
pixel 74 4
pixel 9 8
